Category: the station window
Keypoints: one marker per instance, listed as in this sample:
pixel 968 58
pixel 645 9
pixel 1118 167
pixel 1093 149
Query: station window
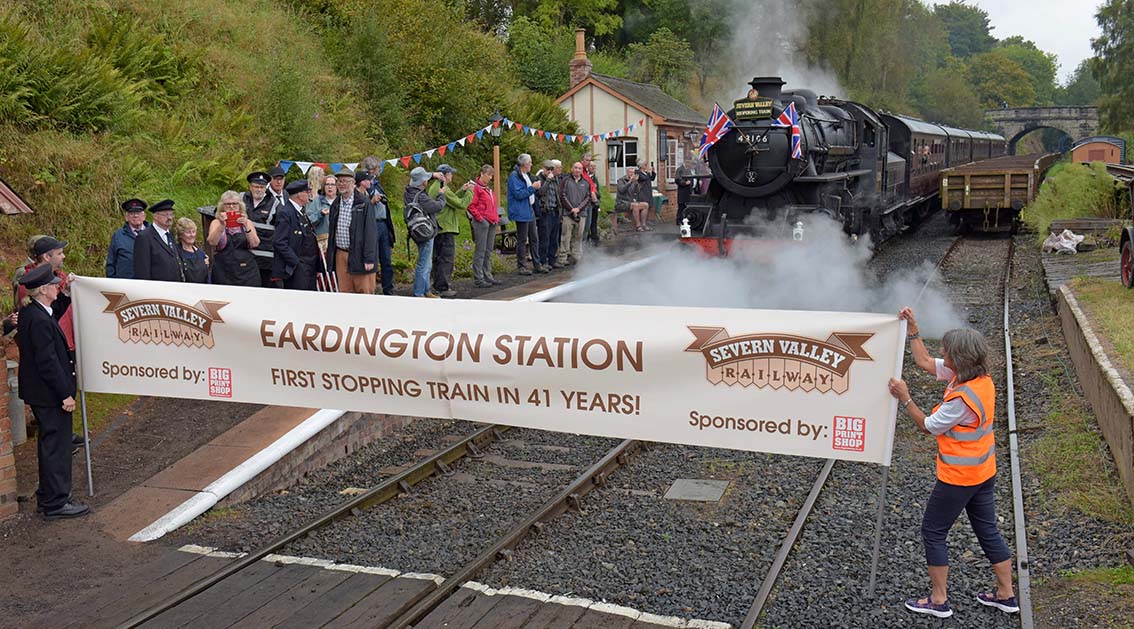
pixel 620 154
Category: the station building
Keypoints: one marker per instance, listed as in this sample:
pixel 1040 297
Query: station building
pixel 599 103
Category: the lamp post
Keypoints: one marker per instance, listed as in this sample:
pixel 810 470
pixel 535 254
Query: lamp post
pixel 496 130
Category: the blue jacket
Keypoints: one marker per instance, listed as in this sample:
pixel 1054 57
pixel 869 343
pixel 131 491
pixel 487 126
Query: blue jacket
pixel 120 257
pixel 519 205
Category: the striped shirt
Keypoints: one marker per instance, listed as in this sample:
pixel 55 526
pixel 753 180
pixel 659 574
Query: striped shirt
pixel 342 232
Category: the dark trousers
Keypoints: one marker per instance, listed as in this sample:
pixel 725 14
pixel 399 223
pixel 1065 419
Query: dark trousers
pixel 548 237
pixel 945 504
pixel 527 235
pixel 444 251
pixel 54 450
pixel 303 277
pixel 385 258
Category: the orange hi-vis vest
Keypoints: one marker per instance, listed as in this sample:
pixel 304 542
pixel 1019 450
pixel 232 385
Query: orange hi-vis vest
pixel 966 455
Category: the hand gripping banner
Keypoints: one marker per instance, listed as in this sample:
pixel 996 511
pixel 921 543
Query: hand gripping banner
pixel 801 383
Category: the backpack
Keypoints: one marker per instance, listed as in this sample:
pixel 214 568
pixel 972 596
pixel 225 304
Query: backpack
pixel 419 225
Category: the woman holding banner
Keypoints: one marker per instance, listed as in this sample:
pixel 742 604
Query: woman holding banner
pixel 966 463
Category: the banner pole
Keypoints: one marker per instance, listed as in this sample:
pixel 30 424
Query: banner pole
pixel 82 389
pixel 878 531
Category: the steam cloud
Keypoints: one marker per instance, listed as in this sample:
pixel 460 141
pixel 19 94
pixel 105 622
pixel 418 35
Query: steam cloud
pixel 765 41
pixel 825 272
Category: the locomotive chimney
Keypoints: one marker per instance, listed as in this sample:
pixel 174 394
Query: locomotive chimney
pixel 580 65
pixel 769 87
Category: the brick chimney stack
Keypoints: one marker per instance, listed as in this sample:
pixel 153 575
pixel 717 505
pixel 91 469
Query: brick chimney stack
pixel 580 65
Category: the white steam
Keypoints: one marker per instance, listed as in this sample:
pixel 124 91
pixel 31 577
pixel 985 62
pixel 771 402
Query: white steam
pixel 825 272
pixel 766 40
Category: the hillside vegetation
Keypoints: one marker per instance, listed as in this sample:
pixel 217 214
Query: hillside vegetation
pixel 102 101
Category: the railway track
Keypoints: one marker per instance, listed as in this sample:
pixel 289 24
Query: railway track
pixel 415 609
pixel 971 288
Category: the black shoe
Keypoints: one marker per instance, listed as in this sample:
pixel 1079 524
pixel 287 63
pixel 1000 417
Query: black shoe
pixel 524 271
pixel 494 281
pixel 480 284
pixel 77 440
pixel 542 269
pixel 68 510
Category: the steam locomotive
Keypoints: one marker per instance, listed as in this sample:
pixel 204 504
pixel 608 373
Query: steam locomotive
pixel 875 173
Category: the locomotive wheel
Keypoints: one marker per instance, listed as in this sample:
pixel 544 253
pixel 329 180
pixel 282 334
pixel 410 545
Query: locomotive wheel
pixel 1127 265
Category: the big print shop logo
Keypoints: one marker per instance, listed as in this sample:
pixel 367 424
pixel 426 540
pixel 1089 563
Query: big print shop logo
pixel 779 361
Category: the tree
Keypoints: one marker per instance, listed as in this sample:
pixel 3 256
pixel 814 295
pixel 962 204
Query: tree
pixel 1081 89
pixel 599 17
pixel 705 24
pixel 1000 81
pixel 664 60
pixel 946 96
pixel 541 57
pixel 1114 64
pixel 1039 65
pixel 968 27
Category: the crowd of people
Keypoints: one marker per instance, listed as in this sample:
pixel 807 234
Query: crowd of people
pixel 333 231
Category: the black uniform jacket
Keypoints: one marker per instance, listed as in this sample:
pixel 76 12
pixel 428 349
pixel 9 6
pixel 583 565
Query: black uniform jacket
pixel 287 242
pixel 155 259
pixel 47 375
pixel 363 235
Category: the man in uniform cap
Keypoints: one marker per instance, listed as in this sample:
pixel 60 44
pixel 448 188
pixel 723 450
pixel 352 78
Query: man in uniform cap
pixel 120 257
pixel 155 250
pixel 352 246
pixel 47 384
pixel 260 207
pixel 297 256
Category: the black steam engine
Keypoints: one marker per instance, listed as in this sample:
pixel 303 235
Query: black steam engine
pixel 873 173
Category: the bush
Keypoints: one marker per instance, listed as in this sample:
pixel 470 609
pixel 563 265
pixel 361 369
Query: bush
pixel 1074 191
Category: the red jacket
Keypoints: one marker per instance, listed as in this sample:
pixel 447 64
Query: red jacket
pixel 483 206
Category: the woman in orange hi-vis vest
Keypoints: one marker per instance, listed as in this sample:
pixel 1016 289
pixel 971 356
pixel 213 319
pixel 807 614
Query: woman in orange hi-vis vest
pixel 966 463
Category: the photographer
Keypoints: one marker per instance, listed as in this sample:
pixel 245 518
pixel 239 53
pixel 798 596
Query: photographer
pixel 966 463
pixel 627 200
pixel 448 226
pixel 521 210
pixel 646 176
pixel 548 219
pixel 368 185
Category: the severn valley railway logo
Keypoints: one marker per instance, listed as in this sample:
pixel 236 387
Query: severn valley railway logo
pixel 164 322
pixel 779 360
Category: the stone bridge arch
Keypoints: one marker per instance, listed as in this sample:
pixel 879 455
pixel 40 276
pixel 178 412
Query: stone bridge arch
pixel 1015 123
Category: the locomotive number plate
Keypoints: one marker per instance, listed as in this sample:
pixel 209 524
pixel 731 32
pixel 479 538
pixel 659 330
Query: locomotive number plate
pixel 751 138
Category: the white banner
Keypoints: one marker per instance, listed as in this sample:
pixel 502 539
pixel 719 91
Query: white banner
pixel 803 383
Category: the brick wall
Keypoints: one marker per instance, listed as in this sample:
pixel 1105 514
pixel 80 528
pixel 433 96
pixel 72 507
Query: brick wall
pixel 342 437
pixel 8 505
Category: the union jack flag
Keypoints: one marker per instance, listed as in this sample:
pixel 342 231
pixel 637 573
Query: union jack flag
pixel 718 127
pixel 790 118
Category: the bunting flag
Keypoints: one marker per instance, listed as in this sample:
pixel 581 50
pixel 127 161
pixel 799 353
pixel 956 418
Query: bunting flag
pixel 449 147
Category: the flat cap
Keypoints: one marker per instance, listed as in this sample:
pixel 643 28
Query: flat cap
pixel 47 243
pixel 299 185
pixel 259 177
pixel 165 205
pixel 134 205
pixel 345 172
pixel 277 172
pixel 39 276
